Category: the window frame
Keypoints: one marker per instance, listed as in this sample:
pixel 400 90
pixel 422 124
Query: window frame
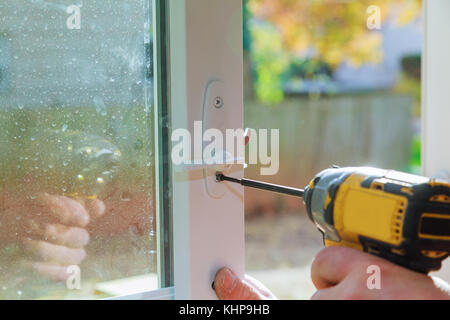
pixel 435 151
pixel 198 234
pixel 205 45
pixel 435 91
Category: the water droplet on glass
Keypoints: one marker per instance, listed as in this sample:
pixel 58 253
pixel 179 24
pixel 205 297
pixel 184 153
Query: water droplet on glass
pixel 100 106
pixel 125 196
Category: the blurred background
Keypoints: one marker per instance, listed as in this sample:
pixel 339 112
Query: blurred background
pixel 340 94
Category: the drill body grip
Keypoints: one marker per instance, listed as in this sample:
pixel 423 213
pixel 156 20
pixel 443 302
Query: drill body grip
pixel 400 217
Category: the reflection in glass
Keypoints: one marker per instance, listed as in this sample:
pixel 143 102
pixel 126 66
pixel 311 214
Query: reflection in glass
pixel 76 154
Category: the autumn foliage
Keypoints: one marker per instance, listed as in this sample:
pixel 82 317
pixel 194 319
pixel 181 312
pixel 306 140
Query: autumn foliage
pixel 331 31
pixel 334 29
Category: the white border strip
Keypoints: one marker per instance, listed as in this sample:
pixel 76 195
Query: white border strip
pixel 160 294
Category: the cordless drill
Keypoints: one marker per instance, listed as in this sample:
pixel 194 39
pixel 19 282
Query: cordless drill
pixel 400 217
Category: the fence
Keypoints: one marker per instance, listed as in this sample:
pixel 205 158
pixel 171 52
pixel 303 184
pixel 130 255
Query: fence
pixel 348 130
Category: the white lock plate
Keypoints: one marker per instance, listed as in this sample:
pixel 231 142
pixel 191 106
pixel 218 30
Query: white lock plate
pixel 215 117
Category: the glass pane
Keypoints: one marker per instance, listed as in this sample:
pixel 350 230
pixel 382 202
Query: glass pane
pixel 76 149
pixel 342 92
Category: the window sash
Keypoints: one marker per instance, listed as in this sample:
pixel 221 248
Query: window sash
pixel 435 91
pixel 205 45
pixel 199 234
pixel 436 95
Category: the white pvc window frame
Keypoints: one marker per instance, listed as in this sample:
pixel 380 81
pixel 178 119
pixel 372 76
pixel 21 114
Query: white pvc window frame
pixel 436 95
pixel 205 44
pixel 436 88
pixel 208 233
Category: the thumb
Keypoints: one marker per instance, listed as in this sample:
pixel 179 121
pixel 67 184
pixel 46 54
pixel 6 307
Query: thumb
pixel 228 286
pixel 95 207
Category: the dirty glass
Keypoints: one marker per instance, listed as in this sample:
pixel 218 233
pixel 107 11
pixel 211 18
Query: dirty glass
pixel 77 213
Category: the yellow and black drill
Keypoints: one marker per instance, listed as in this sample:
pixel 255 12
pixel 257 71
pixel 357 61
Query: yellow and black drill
pixel 400 217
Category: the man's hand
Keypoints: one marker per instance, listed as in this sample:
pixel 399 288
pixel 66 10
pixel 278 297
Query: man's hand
pixel 228 286
pixel 341 273
pixel 52 230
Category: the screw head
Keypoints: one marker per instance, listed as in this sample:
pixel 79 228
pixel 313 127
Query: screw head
pixel 218 102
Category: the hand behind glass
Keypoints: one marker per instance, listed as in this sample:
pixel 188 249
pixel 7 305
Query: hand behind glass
pixel 52 231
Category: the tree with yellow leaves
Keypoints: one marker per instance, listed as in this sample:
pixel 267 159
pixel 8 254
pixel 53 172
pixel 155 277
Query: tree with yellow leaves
pixel 332 31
